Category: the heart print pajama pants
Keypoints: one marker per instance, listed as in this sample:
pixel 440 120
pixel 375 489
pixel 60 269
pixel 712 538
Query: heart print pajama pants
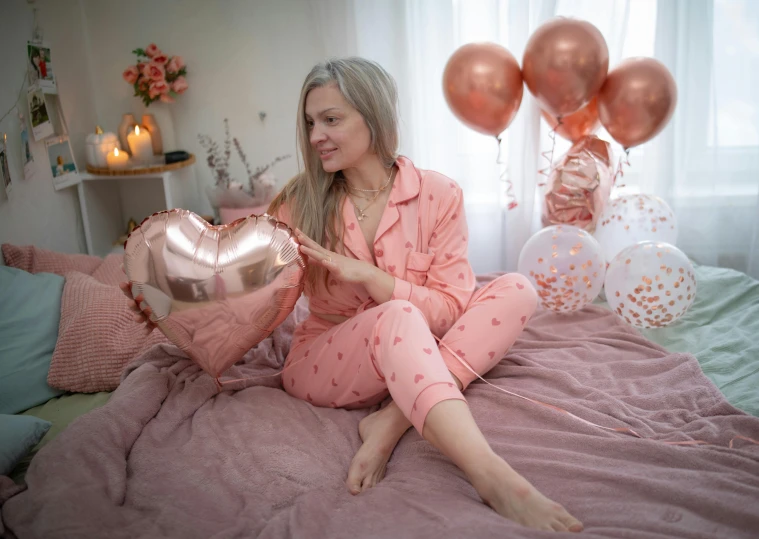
pixel 390 348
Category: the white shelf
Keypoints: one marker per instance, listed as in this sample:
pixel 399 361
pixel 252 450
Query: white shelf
pixel 108 202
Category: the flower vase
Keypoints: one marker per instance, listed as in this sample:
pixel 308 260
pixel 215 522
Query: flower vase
pixel 161 115
pixel 125 127
pixel 148 120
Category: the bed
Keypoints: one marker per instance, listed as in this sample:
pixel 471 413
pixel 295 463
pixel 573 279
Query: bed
pixel 165 455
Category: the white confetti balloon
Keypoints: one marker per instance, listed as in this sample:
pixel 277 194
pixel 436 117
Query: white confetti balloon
pixel 566 266
pixel 650 284
pixel 630 219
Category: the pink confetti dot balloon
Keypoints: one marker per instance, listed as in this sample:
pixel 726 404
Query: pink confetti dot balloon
pixel 629 219
pixel 566 266
pixel 650 284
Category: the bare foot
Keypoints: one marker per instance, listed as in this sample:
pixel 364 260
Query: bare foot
pixel 513 497
pixel 380 432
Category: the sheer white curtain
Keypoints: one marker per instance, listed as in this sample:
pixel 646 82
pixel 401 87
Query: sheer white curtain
pixel 705 163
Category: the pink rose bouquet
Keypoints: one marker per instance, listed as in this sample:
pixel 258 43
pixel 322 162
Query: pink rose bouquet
pixel 156 76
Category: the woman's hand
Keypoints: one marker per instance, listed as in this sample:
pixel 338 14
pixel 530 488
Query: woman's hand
pixel 134 305
pixel 347 270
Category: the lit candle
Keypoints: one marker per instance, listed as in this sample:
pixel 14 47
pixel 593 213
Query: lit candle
pixel 140 144
pixel 117 160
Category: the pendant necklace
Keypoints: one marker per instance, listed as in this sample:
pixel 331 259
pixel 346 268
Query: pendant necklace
pixel 361 213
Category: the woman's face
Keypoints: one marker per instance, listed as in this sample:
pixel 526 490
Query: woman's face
pixel 337 131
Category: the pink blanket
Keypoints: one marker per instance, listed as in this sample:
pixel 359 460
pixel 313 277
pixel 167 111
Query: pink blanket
pixel 168 457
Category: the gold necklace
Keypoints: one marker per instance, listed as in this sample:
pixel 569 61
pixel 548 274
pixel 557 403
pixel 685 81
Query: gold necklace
pixel 361 213
pixel 375 190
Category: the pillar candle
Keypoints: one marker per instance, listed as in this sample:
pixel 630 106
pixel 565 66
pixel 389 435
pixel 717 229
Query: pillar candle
pixel 140 144
pixel 117 160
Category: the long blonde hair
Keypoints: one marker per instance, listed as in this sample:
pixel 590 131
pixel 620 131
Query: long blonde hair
pixel 314 197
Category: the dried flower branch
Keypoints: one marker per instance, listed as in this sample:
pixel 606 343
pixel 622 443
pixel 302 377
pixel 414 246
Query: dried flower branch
pixel 259 185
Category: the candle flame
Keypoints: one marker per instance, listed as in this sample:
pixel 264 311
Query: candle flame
pixel 115 151
pixel 136 129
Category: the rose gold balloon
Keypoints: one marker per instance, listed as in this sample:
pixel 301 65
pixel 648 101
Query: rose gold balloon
pixel 637 100
pixel 483 86
pixel 564 64
pixel 577 125
pixel 579 185
pixel 215 291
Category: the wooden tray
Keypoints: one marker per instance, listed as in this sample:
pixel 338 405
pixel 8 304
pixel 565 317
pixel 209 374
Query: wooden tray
pixel 144 170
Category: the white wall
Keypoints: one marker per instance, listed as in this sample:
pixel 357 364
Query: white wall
pixel 36 213
pixel 243 56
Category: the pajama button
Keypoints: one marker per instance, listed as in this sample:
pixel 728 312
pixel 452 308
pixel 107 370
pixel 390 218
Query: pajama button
pixel 379 252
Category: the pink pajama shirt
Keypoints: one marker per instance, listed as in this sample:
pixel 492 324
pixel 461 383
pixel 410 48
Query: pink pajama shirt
pixel 391 348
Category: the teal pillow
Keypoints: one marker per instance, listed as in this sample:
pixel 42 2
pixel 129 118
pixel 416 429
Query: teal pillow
pixel 20 434
pixel 30 310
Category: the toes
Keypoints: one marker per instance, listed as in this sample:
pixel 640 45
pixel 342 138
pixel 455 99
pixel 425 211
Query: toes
pixel 354 479
pixel 367 483
pixel 558 526
pixel 571 523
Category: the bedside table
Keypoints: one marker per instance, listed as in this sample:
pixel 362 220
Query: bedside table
pixel 108 202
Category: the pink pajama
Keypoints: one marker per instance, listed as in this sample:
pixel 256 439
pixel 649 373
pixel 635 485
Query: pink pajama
pixel 422 242
pixel 390 349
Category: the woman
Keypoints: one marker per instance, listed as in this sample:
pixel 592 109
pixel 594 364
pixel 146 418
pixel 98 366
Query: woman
pixel 388 275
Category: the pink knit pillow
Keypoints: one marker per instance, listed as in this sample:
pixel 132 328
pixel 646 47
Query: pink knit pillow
pixel 110 272
pixel 97 337
pixel 35 260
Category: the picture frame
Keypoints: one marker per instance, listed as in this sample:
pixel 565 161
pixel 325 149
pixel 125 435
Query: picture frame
pixel 40 66
pixel 39 116
pixel 5 171
pixel 27 157
pixel 62 163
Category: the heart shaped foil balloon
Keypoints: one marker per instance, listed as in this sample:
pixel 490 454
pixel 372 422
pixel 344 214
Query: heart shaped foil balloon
pixel 215 291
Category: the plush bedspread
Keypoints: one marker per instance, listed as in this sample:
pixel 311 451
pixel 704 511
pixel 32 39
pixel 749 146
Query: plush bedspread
pixel 169 457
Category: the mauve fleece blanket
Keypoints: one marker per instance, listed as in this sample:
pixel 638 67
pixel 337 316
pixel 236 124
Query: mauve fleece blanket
pixel 169 457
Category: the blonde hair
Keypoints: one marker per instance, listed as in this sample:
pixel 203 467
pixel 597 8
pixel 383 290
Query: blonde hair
pixel 314 197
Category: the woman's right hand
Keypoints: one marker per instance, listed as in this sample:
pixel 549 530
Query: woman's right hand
pixel 134 305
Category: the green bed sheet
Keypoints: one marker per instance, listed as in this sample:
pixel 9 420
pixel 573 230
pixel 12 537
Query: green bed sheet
pixel 722 330
pixel 60 411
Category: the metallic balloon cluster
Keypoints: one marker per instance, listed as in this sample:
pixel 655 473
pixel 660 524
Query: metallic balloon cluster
pixel 566 67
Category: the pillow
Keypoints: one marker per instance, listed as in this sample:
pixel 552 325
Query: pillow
pixel 97 337
pixel 36 260
pixel 110 272
pixel 30 310
pixel 20 434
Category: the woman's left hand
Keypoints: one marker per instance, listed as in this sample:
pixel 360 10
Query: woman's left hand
pixel 348 270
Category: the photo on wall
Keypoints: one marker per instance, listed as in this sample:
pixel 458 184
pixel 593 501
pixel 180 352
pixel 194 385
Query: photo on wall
pixel 42 127
pixel 5 170
pixel 40 66
pixel 62 162
pixel 26 150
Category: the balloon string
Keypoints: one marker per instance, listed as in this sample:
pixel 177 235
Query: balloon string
pixel 548 155
pixel 511 198
pixel 624 430
pixel 620 173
